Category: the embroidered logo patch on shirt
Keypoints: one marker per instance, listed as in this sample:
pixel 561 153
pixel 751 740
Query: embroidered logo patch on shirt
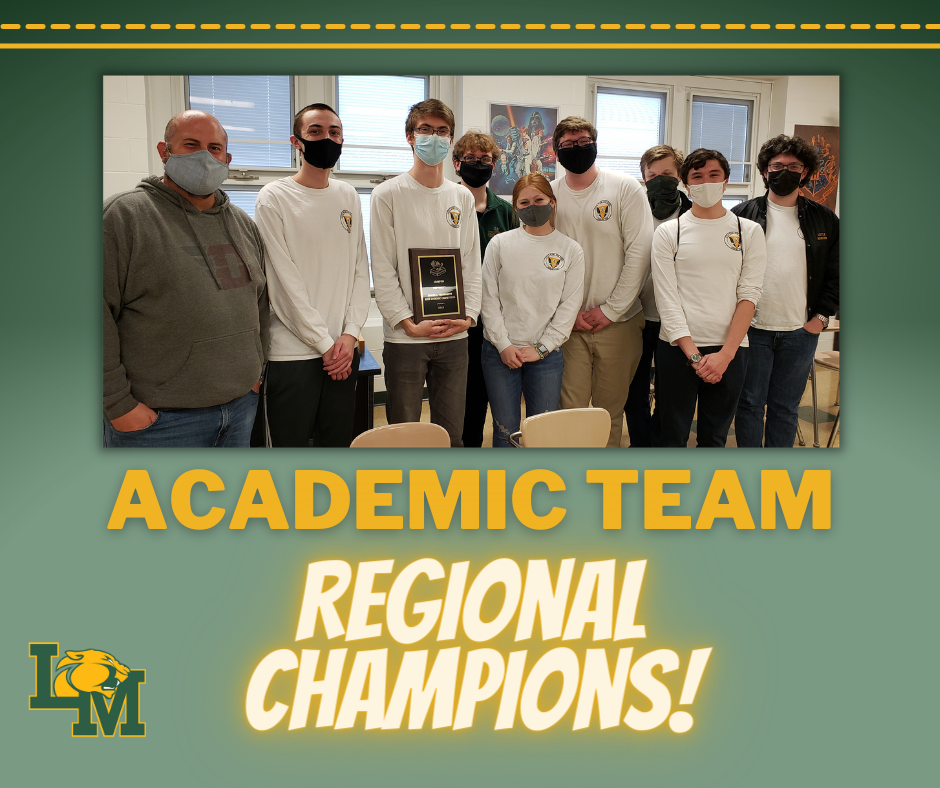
pixel 453 216
pixel 346 218
pixel 733 240
pixel 553 261
pixel 602 211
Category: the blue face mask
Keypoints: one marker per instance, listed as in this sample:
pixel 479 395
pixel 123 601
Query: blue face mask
pixel 431 149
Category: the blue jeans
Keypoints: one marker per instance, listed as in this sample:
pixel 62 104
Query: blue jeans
pixel 776 377
pixel 538 381
pixel 185 428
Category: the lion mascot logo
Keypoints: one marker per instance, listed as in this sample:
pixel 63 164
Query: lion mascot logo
pixel 89 671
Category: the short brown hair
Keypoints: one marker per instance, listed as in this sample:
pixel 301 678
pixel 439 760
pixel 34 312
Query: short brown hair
pixel 698 159
pixel 572 123
pixel 429 107
pixel 658 152
pixel 298 129
pixel 794 146
pixel 539 182
pixel 475 140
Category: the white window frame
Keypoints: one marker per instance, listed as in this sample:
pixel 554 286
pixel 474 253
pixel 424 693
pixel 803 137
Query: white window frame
pixel 679 90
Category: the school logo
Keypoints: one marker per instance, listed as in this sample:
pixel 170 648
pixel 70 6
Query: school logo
pixel 602 211
pixel 553 261
pixel 346 218
pixel 733 240
pixel 453 216
pixel 93 683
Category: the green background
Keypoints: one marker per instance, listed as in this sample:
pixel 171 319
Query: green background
pixel 822 670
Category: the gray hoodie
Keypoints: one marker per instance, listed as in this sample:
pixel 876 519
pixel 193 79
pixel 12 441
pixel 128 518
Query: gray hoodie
pixel 185 304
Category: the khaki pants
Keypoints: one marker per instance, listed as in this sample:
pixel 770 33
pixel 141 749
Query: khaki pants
pixel 599 368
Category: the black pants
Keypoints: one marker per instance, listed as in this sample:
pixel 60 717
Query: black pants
pixel 477 399
pixel 305 406
pixel 642 425
pixel 678 389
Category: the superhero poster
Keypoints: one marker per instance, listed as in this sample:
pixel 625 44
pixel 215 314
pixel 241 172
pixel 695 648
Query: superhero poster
pixel 824 185
pixel 524 137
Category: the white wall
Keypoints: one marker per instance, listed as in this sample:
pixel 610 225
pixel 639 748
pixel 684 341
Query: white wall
pixel 125 150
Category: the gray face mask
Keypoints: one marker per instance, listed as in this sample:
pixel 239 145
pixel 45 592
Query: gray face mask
pixel 199 173
pixel 535 215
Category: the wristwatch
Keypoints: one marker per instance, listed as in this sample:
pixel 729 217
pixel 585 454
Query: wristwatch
pixel 822 319
pixel 694 359
pixel 541 350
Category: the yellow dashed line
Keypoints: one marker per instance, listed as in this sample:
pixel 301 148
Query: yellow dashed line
pixel 505 26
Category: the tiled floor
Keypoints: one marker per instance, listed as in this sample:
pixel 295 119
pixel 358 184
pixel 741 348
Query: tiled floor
pixel 827 381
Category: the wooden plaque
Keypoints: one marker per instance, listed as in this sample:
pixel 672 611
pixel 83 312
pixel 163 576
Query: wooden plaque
pixel 436 284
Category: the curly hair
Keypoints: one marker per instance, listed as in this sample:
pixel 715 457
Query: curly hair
pixel 698 159
pixel 475 140
pixel 793 146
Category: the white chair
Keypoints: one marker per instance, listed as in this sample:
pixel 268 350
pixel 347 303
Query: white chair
pixel 586 428
pixel 418 435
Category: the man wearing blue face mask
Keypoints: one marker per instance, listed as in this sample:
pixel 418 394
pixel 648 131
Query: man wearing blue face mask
pixel 318 279
pixel 185 301
pixel 422 210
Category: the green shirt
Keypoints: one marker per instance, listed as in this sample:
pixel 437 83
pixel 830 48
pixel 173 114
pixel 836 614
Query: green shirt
pixel 497 217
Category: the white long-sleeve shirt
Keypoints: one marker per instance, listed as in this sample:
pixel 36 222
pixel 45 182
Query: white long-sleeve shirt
pixel 318 268
pixel 697 292
pixel 612 222
pixel 532 289
pixel 406 215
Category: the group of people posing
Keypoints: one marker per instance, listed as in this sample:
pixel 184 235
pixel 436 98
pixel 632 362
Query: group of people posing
pixel 220 331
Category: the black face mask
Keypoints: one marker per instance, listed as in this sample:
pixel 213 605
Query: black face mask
pixel 784 182
pixel 578 160
pixel 475 174
pixel 322 154
pixel 663 195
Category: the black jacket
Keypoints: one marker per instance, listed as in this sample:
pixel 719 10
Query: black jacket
pixel 820 228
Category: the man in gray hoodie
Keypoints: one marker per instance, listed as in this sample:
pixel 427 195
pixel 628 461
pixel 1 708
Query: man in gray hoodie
pixel 185 304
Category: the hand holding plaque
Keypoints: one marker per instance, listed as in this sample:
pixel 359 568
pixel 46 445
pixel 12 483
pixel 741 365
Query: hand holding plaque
pixel 436 284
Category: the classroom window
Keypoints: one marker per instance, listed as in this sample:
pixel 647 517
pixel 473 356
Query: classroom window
pixel 628 123
pixel 256 113
pixel 725 125
pixel 374 110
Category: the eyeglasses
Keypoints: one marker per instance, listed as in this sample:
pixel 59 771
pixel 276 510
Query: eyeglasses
pixel 475 159
pixel 441 132
pixel 581 143
pixel 792 167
